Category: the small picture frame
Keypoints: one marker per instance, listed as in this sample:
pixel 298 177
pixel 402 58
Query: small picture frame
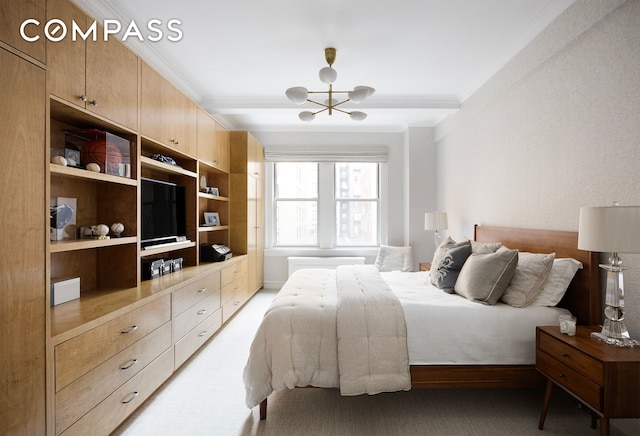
pixel 211 219
pixel 214 191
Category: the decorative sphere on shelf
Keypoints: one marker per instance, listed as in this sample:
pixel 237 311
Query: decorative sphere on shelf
pixel 93 167
pixel 100 230
pixel 117 229
pixel 59 160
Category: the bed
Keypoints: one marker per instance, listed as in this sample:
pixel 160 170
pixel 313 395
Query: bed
pixel 317 361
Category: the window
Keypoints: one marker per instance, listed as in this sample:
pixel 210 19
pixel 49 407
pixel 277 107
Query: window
pixel 326 204
pixel 296 203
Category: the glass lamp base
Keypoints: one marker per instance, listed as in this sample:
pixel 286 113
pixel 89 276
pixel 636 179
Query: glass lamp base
pixel 619 342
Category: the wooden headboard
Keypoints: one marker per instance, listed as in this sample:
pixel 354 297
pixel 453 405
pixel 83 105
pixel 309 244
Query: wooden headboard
pixel 583 296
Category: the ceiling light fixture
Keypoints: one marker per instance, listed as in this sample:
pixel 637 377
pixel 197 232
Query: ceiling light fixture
pixel 300 94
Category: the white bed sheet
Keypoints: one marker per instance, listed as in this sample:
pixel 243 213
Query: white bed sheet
pixel 442 329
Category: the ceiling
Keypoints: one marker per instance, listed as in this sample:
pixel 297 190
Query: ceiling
pixel 423 57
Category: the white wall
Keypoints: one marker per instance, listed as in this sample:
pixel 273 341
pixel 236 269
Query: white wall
pixel 558 128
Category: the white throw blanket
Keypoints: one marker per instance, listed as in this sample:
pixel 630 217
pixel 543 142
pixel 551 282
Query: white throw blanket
pixel 296 344
pixel 372 336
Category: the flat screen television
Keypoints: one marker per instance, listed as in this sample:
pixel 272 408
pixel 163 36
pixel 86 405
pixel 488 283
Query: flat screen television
pixel 163 212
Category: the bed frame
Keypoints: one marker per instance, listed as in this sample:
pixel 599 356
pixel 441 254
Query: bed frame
pixel 582 299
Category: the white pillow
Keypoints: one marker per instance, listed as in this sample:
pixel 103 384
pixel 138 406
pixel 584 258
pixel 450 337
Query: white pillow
pixel 529 278
pixel 394 258
pixel 561 274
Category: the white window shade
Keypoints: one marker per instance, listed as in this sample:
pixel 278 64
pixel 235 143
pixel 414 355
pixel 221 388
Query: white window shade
pixel 323 153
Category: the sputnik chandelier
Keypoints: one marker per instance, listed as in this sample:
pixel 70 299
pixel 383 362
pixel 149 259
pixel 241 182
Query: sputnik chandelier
pixel 300 95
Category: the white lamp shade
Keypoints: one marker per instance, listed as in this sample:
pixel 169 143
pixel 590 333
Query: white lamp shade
pixel 328 75
pixel 435 221
pixel 359 93
pixel 612 229
pixel 358 116
pixel 306 116
pixel 297 94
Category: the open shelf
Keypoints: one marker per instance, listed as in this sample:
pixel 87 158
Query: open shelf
pixel 147 162
pixel 63 171
pixel 212 197
pixel 84 244
pixel 166 248
pixel 212 228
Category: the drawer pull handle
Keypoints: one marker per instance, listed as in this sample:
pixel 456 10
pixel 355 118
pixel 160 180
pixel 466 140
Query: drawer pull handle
pixel 202 333
pixel 131 329
pixel 565 355
pixel 130 364
pixel 236 271
pixel 562 376
pixel 202 290
pixel 132 396
pixel 236 303
pixel 202 311
pixel 236 287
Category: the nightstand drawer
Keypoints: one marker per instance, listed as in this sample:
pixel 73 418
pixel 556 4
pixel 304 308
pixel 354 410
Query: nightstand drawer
pixel 581 362
pixel 566 377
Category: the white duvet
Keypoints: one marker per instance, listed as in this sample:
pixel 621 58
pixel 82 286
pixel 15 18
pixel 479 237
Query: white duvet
pixel 296 344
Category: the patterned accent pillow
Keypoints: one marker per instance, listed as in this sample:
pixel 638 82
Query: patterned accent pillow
pixel 447 263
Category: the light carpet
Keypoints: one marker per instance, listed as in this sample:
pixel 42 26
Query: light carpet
pixel 206 397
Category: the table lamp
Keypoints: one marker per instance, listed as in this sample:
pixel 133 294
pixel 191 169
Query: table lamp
pixel 435 221
pixel 613 229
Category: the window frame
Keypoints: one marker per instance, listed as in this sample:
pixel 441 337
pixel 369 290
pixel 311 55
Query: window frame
pixel 327 201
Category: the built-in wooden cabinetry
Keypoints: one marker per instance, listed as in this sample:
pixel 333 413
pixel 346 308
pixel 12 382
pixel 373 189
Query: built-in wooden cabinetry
pixel 247 203
pixel 12 15
pixel 166 115
pixel 97 75
pixel 83 366
pixel 23 259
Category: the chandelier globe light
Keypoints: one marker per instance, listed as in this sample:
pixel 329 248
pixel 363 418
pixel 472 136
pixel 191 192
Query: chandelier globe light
pixel 300 95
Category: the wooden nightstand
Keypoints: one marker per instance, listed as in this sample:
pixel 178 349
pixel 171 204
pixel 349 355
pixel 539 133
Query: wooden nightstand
pixel 604 377
pixel 424 266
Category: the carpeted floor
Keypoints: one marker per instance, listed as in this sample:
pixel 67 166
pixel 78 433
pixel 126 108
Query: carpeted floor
pixel 206 397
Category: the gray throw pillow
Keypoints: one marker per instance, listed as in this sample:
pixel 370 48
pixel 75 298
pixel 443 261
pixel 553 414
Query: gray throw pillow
pixel 485 277
pixel 447 263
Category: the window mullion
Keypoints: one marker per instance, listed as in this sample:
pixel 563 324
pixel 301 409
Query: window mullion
pixel 326 206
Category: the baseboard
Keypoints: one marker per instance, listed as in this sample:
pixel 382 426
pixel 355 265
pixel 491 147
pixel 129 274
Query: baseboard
pixel 273 285
pixel 627 426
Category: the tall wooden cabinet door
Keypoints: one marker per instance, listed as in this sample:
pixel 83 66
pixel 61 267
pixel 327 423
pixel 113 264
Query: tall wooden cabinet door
pixel 112 81
pixel 22 259
pixel 260 231
pixel 66 58
pixel 184 118
pixel 223 144
pixel 212 147
pixel 12 14
pixel 151 86
pixel 252 236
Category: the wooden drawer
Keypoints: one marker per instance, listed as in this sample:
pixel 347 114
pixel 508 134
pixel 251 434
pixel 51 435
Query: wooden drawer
pixel 564 376
pixel 193 316
pixel 193 340
pixel 237 286
pixel 107 415
pixel 581 362
pixel 82 395
pixel 233 272
pixel 79 355
pixel 197 291
pixel 232 306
